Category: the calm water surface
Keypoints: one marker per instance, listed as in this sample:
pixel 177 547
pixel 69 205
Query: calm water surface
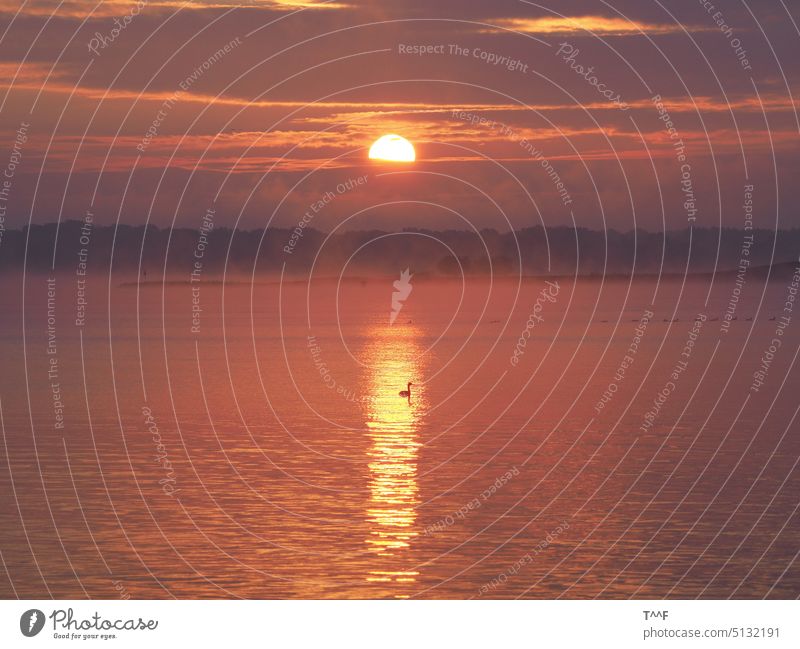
pixel 268 454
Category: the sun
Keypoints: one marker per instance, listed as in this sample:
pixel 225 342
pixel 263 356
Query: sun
pixel 392 147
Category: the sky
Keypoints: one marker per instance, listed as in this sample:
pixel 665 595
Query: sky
pixel 627 114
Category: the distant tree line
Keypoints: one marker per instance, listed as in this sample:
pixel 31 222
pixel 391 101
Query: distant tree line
pixel 536 250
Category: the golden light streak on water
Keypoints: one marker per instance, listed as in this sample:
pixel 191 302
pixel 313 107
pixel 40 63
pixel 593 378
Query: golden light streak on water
pixel 392 423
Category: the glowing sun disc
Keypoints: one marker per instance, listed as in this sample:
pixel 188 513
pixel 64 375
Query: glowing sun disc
pixel 392 147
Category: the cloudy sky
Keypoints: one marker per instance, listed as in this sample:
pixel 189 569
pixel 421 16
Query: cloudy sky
pixel 157 111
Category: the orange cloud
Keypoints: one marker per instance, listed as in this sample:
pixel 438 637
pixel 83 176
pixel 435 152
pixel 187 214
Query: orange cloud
pixel 116 8
pixel 610 26
pixel 748 104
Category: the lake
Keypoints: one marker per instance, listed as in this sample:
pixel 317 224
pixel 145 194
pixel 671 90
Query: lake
pixel 574 439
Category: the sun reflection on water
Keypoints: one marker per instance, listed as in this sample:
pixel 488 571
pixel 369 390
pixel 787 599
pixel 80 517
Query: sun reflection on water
pixel 392 424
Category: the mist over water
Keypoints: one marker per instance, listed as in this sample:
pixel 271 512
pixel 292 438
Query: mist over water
pixel 213 251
